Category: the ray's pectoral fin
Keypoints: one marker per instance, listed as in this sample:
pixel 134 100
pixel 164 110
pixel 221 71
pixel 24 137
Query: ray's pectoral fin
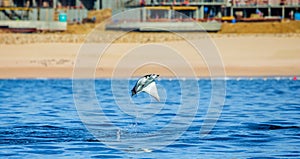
pixel 152 90
pixel 133 92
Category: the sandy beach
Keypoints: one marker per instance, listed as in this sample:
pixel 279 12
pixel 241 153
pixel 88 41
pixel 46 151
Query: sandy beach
pixel 240 55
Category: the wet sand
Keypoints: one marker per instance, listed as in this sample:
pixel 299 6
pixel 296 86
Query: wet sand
pixel 241 55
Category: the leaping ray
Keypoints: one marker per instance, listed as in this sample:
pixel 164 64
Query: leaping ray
pixel 146 84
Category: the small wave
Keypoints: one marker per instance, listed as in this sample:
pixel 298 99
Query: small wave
pixel 269 127
pixel 40 134
pixel 37 127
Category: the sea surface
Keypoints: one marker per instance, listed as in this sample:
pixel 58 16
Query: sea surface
pixel 44 118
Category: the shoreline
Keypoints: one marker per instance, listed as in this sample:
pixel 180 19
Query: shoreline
pixel 66 73
pixel 242 56
pixel 131 37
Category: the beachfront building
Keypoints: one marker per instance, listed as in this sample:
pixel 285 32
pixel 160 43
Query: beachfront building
pixel 265 8
pixel 174 15
pixel 32 15
pixel 157 9
pixel 44 10
pixel 76 10
pixel 244 10
pixel 55 14
pixel 195 9
pixel 153 15
pixel 48 10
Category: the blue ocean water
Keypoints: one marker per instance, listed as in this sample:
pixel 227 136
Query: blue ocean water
pixel 260 119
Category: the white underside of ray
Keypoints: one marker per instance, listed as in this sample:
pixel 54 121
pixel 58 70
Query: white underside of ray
pixel 152 90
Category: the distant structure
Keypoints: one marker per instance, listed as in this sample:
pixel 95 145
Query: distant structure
pixel 55 14
pixel 197 9
pixel 244 10
pixel 163 13
pixel 46 15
